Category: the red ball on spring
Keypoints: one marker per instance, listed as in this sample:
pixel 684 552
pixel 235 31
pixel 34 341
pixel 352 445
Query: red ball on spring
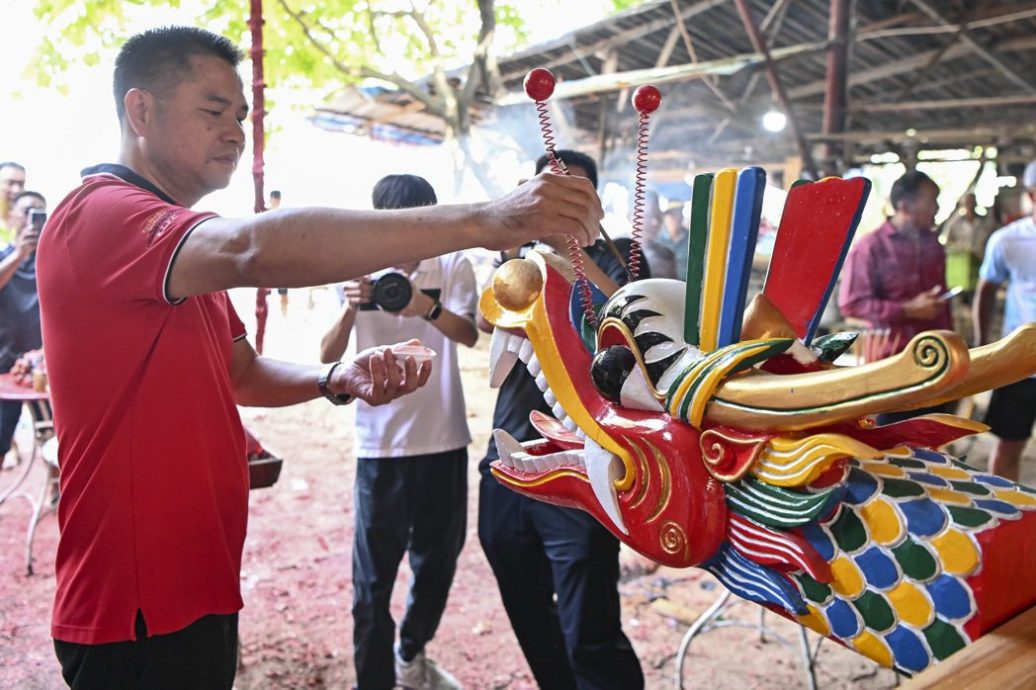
pixel 646 99
pixel 539 84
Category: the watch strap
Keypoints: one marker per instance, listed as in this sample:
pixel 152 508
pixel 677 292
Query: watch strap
pixel 325 390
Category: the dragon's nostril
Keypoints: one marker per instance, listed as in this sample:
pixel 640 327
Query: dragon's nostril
pixel 516 284
pixel 610 369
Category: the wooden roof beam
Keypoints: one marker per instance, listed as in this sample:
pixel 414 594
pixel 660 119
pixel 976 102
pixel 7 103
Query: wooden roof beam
pixel 977 48
pixel 759 43
pixel 908 64
pixel 605 44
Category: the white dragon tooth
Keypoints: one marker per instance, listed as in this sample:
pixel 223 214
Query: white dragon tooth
pixel 501 358
pixel 514 343
pixel 507 447
pixel 549 396
pixel 603 469
pixel 534 365
pixel 570 424
pixel 581 434
pixel 541 381
pixel 525 351
pixel 558 410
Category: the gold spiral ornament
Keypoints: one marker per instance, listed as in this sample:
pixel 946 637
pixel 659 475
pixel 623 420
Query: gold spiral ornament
pixel 672 538
pixel 930 352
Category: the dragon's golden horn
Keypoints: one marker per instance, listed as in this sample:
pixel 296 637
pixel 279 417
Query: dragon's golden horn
pixel 994 365
pixel 932 363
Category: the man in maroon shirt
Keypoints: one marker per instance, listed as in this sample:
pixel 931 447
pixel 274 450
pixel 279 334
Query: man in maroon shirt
pixel 148 361
pixel 894 276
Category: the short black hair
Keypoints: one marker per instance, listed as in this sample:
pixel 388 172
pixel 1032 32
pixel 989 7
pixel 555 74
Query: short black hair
pixel 909 186
pixel 275 194
pixel 570 157
pixel 28 192
pixel 158 59
pixel 403 191
pixel 12 164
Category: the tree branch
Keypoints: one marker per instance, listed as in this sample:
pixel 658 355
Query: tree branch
pixel 484 68
pixel 434 105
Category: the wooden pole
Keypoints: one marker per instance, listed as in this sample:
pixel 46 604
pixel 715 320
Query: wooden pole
pixel 835 96
pixel 759 43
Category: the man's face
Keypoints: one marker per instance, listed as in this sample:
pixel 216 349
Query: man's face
pixel 12 182
pixel 18 216
pixel 197 137
pixel 921 209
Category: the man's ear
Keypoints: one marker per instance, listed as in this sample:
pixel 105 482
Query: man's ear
pixel 139 105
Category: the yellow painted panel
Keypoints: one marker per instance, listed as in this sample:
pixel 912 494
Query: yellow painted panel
pixel 948 496
pixel 1017 498
pixel 884 469
pixel 958 554
pixel 848 580
pixel 947 472
pixel 721 208
pixel 883 522
pixel 873 647
pixel 911 604
pixel 815 621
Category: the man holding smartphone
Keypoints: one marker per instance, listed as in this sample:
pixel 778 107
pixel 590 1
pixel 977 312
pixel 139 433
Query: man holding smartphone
pixel 19 303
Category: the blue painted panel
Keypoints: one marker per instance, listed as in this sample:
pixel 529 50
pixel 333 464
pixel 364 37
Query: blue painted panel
pixel 924 517
pixel 860 486
pixel 843 619
pixel 744 231
pixel 878 569
pixel 908 650
pixel 950 597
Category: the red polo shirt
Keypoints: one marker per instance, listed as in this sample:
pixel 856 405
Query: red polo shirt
pixel 154 483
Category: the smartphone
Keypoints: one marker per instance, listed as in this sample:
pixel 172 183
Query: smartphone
pixel 951 293
pixel 38 218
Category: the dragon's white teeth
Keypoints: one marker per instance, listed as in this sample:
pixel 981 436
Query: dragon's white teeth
pixel 603 469
pixel 507 446
pixel 570 424
pixel 533 365
pixel 525 351
pixel 503 353
pixel 559 412
pixel 581 434
pixel 549 396
pixel 541 381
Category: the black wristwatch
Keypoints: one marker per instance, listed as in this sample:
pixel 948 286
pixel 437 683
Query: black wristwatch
pixel 434 312
pixel 325 377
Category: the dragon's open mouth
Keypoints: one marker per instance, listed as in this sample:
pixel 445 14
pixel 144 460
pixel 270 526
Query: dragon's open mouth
pixel 565 451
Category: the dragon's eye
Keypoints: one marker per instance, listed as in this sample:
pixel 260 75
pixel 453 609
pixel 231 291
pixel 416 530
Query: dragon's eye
pixel 610 368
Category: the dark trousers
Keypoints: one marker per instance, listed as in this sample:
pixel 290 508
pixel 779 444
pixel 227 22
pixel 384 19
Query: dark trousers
pixel 202 656
pixel 10 412
pixel 538 550
pixel 415 505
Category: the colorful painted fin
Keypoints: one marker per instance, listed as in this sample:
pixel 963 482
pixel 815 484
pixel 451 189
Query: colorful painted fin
pixel 744 230
pixel 697 240
pixel 721 207
pixel 816 229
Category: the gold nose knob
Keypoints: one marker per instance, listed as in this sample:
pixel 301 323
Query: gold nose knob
pixel 516 284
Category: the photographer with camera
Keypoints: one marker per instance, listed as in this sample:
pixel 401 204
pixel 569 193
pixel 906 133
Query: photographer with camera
pixel 19 302
pixel 411 455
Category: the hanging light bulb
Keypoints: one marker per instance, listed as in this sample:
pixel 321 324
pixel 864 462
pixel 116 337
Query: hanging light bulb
pixel 774 120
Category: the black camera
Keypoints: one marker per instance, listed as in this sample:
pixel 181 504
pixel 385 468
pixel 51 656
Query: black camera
pixel 390 292
pixel 37 217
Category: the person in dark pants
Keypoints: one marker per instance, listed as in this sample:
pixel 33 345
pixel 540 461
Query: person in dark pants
pixel 539 551
pixel 412 458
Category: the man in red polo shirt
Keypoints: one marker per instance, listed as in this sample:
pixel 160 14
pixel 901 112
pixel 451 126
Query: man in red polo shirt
pixel 148 361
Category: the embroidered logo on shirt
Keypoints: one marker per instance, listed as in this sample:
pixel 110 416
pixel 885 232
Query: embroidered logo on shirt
pixel 159 223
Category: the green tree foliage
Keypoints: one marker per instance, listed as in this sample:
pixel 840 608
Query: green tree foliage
pixel 409 44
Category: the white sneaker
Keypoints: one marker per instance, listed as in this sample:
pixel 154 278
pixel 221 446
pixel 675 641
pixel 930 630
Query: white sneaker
pixel 421 673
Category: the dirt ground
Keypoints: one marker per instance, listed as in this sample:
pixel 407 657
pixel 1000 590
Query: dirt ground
pixel 296 629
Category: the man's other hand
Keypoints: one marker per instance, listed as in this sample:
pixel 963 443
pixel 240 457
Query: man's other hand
pixel 377 376
pixel 546 205
pixel 357 292
pixel 924 306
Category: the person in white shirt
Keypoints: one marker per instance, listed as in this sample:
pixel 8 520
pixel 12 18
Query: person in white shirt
pixel 411 468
